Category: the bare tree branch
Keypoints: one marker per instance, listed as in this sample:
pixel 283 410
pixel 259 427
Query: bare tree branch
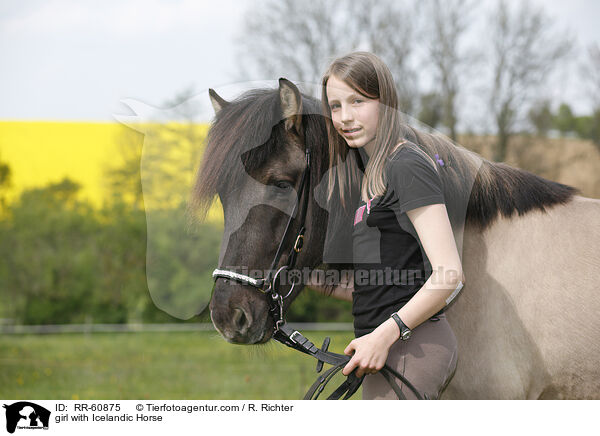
pixel 299 39
pixel 591 73
pixel 524 51
pixel 446 30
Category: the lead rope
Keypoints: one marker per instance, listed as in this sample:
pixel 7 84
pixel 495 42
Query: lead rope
pixel 296 340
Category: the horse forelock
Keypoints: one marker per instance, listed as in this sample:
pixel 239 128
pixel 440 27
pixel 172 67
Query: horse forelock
pixel 249 130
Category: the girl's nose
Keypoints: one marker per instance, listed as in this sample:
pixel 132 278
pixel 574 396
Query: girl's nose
pixel 346 114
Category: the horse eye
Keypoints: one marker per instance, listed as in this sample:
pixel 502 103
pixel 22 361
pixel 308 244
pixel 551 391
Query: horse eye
pixel 283 184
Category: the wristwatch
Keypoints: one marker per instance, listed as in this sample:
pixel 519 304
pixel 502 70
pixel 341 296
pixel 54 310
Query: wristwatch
pixel 405 332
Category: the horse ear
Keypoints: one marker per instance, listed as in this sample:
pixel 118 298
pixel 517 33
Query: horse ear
pixel 217 102
pixel 291 104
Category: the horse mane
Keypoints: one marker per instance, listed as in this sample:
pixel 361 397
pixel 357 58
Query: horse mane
pixel 250 128
pixel 495 188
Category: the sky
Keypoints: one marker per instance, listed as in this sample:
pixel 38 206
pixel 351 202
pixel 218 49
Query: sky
pixel 69 60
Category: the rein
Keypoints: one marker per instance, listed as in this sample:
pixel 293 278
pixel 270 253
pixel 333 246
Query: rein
pixel 293 338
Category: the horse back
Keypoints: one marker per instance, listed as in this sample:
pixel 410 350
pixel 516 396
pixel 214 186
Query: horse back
pixel 529 311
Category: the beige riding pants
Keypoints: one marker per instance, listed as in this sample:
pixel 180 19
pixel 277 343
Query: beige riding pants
pixel 427 360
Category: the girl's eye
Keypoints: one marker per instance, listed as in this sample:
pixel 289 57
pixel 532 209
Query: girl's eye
pixel 334 106
pixel 357 100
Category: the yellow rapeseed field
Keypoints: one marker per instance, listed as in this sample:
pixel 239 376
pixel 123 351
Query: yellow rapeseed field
pixel 42 152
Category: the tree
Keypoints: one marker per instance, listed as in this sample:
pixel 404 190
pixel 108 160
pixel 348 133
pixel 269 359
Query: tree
pixel 156 167
pixel 595 128
pixel 62 261
pixel 541 117
pixel 123 179
pixel 591 73
pixel 172 150
pixel 298 39
pixel 448 24
pixel 588 127
pixel 564 121
pixel 48 273
pixel 524 51
pixel 430 112
pixel 5 183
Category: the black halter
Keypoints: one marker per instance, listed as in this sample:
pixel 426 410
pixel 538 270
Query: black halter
pixel 293 338
pixel 267 285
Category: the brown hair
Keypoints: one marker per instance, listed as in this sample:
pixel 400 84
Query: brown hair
pixel 369 76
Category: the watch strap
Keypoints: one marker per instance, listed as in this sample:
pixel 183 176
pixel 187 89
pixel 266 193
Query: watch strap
pixel 403 328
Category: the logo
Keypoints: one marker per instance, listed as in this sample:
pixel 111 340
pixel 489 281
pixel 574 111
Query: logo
pixel 26 415
pixel 358 216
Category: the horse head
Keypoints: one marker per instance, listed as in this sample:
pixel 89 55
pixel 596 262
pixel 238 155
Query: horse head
pixel 254 161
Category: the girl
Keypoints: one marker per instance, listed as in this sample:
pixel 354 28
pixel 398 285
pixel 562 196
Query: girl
pixel 406 264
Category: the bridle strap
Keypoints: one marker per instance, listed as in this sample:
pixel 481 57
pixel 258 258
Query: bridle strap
pixel 257 283
pixel 303 192
pixel 266 284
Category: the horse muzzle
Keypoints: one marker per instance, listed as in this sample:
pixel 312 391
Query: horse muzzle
pixel 240 314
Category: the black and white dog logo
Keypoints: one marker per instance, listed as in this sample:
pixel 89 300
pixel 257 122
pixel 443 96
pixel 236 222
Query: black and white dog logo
pixel 26 415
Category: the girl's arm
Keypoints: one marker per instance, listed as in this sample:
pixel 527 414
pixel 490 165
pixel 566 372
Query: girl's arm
pixel 435 232
pixel 343 291
pixel 432 224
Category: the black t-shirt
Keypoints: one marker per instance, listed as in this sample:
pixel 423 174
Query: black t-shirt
pixel 390 265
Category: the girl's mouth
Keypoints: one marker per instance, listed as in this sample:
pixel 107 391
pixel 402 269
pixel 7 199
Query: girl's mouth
pixel 351 132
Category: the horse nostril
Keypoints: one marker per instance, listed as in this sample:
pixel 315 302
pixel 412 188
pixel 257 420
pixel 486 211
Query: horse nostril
pixel 240 320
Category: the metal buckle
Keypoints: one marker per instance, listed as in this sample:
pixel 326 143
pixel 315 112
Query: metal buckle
pixel 290 291
pixel 299 243
pixel 292 336
pixel 276 275
pixel 272 285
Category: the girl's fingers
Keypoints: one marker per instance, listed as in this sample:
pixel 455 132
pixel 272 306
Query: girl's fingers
pixel 349 349
pixel 349 367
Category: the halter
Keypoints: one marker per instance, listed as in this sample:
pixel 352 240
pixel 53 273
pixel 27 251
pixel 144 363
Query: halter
pixel 293 338
pixel 267 285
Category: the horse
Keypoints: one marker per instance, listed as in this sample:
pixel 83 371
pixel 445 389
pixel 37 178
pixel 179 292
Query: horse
pixel 526 321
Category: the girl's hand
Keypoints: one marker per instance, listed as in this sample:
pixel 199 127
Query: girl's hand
pixel 369 352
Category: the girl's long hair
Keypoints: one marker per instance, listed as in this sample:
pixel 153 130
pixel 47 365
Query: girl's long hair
pixel 369 76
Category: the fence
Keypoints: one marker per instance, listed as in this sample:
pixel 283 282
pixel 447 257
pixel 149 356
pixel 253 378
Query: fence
pixel 132 328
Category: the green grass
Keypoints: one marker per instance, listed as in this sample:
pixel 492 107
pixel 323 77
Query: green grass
pixel 195 365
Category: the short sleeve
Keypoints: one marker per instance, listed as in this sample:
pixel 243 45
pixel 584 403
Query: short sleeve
pixel 414 180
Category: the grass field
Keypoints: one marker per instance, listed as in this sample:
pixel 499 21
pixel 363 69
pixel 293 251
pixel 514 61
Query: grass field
pixel 194 365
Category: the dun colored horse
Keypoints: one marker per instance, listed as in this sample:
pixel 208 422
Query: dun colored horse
pixel 528 319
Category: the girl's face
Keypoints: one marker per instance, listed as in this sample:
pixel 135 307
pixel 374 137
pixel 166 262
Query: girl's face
pixel 354 116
